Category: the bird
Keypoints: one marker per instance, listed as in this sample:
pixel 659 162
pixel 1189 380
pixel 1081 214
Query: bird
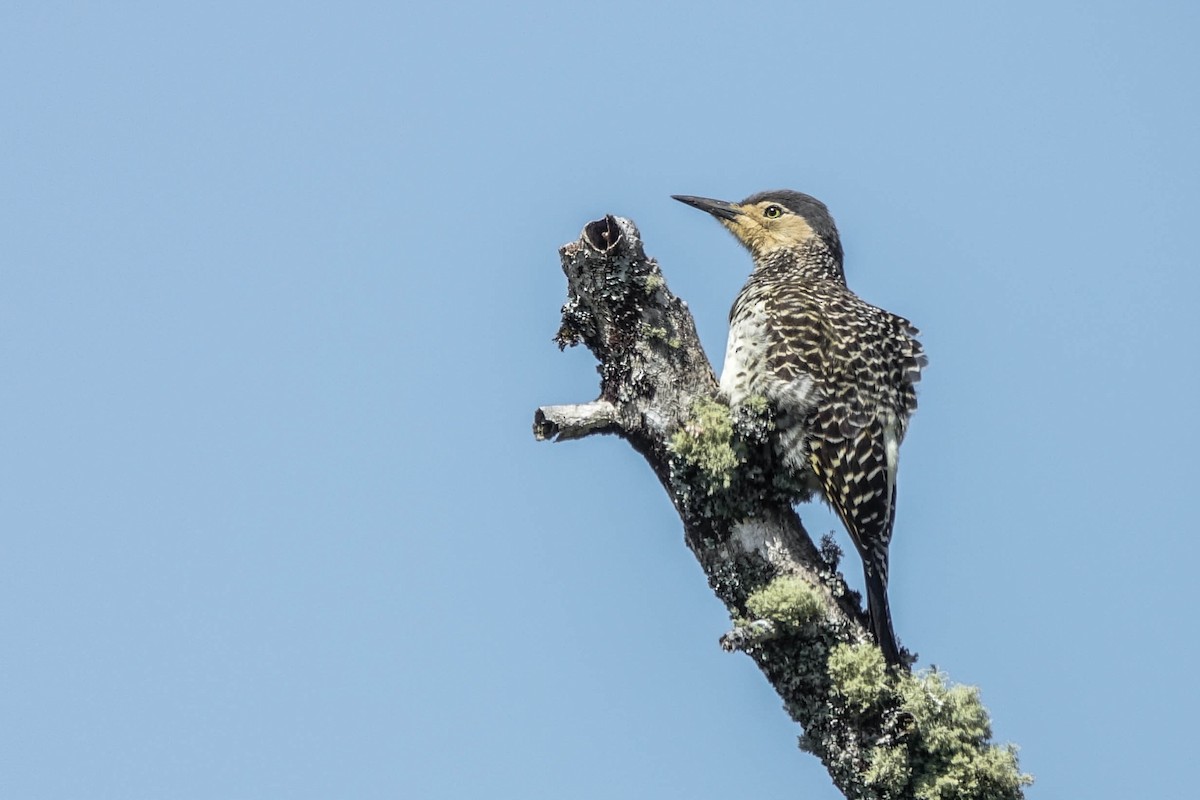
pixel 839 372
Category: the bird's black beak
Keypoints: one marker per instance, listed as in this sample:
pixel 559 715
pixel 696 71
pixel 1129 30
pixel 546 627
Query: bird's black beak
pixel 718 208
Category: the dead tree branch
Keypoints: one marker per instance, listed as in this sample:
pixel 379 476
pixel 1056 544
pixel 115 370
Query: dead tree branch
pixel 881 734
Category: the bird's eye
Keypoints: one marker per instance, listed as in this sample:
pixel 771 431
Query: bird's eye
pixel 772 212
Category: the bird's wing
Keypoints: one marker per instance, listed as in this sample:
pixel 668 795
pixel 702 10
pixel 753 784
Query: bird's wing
pixel 796 351
pixel 854 467
pixel 908 358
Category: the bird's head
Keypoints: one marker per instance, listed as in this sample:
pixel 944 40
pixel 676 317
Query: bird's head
pixel 769 222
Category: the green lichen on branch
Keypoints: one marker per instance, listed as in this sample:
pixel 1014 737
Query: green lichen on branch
pixel 937 736
pixel 859 676
pixel 788 601
pixel 662 334
pixel 652 282
pixel 705 448
pixel 722 463
pixel 785 606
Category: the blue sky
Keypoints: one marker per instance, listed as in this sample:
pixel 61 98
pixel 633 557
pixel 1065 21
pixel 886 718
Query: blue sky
pixel 278 290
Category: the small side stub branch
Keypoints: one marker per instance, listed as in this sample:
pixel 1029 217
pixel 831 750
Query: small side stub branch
pixel 880 733
pixel 574 421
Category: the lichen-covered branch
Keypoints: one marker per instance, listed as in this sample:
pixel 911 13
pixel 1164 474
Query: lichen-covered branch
pixel 881 733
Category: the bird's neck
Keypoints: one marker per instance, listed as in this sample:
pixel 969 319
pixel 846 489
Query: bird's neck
pixel 811 261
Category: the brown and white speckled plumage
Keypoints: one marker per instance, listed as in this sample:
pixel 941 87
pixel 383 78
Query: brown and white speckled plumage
pixel 839 371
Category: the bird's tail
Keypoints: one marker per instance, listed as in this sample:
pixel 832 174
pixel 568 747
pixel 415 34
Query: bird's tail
pixel 881 616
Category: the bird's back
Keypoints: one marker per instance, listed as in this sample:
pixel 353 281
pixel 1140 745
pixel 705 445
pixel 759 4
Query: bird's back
pixel 817 352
